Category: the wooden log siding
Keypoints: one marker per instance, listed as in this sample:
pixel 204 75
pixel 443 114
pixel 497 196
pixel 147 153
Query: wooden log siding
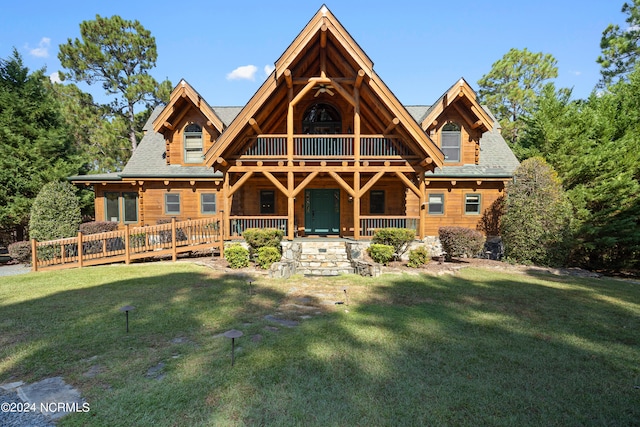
pixel 128 244
pixel 340 146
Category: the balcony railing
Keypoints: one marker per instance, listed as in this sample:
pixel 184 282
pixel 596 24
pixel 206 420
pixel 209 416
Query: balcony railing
pixel 369 224
pixel 327 146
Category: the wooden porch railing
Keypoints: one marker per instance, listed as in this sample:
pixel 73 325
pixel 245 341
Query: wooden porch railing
pixel 240 223
pixel 369 224
pixel 326 146
pixel 128 244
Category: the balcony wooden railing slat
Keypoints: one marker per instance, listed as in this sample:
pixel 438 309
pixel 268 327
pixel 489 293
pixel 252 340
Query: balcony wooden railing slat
pixel 327 146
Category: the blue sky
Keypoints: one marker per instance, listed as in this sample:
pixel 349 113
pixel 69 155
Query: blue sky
pixel 419 48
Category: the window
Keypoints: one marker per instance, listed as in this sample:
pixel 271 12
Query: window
pixel 472 204
pixel 193 144
pixel 321 119
pixel 112 207
pixel 436 204
pixel 208 203
pixel 267 202
pixel 117 203
pixel 451 138
pixel 376 202
pixel 172 203
pixel 130 207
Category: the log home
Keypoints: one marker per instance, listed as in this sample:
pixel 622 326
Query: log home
pixel 324 147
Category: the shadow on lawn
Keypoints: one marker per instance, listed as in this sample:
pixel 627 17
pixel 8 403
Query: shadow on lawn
pixel 471 349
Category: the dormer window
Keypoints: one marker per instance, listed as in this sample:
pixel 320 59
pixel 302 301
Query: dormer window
pixel 451 138
pixel 193 144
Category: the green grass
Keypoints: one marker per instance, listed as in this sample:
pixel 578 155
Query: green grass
pixel 478 348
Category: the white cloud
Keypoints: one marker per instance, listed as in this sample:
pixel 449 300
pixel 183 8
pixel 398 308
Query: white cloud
pixel 55 78
pixel 268 69
pixel 42 51
pixel 245 72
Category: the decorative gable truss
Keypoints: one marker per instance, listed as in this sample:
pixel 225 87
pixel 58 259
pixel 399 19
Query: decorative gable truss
pixel 186 115
pixel 458 109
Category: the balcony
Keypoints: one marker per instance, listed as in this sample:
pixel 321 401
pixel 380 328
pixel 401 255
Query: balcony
pixel 327 147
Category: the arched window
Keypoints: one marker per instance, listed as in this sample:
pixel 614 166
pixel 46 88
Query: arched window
pixel 451 138
pixel 193 144
pixel 321 119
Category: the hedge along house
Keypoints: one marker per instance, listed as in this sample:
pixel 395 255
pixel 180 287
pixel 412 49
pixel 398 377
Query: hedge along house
pixel 323 148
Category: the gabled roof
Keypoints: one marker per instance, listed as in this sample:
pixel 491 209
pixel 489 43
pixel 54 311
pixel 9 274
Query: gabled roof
pixel 472 111
pixel 172 112
pixel 322 25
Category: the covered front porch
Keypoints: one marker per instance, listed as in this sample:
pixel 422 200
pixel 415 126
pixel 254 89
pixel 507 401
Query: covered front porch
pixel 320 204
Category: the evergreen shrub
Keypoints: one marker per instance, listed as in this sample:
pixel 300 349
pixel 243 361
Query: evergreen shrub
pixel 418 257
pixel 257 238
pixel 237 256
pixel 398 238
pixel 380 253
pixel 55 212
pixel 267 255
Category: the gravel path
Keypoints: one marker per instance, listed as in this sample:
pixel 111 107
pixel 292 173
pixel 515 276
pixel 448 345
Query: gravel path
pixel 13 269
pixel 11 417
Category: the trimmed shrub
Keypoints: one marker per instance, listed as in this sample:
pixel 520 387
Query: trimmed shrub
pixel 461 241
pixel 418 257
pixel 260 237
pixel 20 251
pixel 267 255
pixel 55 212
pixel 95 227
pixel 398 238
pixel 237 256
pixel 380 253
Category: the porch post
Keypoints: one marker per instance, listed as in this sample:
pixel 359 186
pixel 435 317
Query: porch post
pixel 290 206
pixel 226 226
pixel 356 155
pixel 356 205
pixel 423 207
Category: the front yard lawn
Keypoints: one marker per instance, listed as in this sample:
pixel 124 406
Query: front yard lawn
pixel 476 348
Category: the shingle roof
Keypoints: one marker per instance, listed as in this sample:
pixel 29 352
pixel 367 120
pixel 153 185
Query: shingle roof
pixel 148 160
pixel 496 161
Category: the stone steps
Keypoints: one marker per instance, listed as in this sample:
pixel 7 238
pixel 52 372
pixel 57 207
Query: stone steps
pixel 324 258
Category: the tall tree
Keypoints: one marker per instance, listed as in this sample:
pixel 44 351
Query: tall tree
pixel 535 227
pixel 119 54
pixel 512 85
pixel 620 46
pixel 594 144
pixel 35 144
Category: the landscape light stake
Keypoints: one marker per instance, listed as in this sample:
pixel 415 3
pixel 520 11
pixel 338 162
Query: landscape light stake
pixel 250 290
pixel 346 297
pixel 127 309
pixel 233 334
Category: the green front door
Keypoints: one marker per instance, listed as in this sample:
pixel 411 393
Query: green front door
pixel 322 211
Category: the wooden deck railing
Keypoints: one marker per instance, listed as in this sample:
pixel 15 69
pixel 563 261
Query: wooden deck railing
pixel 128 244
pixel 326 146
pixel 241 223
pixel 369 224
